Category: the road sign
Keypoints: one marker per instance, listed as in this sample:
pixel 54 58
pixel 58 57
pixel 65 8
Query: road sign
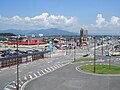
pixel 106 53
pixel 50 46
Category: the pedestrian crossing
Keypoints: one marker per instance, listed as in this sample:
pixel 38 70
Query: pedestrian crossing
pixel 33 75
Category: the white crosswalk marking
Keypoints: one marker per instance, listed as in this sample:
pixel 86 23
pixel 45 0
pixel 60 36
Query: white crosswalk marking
pixel 52 68
pixel 35 75
pixel 7 89
pixel 25 78
pixel 21 81
pixel 30 76
pixel 42 71
pixel 12 86
pixel 20 85
pixel 55 67
pixel 38 73
pixel 46 70
pixel 49 69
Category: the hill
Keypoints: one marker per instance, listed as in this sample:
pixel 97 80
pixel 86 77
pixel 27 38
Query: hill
pixel 7 34
pixel 45 32
pixel 52 31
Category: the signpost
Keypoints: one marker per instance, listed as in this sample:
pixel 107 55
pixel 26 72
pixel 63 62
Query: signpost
pixel 109 54
pixel 50 47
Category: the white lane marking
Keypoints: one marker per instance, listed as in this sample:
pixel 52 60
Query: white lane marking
pixel 7 89
pixel 55 67
pixel 20 85
pixel 30 76
pixel 21 81
pixel 59 65
pixel 35 75
pixel 12 86
pixel 49 69
pixel 42 71
pixel 46 70
pixel 25 78
pixel 38 73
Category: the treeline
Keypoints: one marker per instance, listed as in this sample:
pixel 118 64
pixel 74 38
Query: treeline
pixel 7 34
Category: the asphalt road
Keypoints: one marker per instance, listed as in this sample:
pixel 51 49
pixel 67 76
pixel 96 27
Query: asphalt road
pixel 8 75
pixel 67 78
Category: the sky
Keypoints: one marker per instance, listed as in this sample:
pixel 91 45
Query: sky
pixel 97 16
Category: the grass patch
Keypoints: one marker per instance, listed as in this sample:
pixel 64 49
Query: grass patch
pixel 84 59
pixel 101 69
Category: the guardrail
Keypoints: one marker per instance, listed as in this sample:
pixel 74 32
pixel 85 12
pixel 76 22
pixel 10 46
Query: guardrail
pixel 12 60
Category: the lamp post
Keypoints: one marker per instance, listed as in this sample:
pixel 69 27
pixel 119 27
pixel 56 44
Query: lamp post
pixel 102 45
pixel 94 54
pixel 17 84
pixel 74 48
pixel 66 46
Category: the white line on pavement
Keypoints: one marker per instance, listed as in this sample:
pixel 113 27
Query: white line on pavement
pixel 51 67
pixel 46 70
pixel 38 73
pixel 30 76
pixel 35 75
pixel 55 67
pixel 7 89
pixel 42 71
pixel 25 77
pixel 12 86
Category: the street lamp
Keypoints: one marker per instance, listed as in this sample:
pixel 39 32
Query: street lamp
pixel 94 53
pixel 74 48
pixel 66 46
pixel 102 45
pixel 17 84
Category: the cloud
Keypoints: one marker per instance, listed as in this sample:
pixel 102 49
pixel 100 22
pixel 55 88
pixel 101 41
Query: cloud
pixel 114 22
pixel 100 20
pixel 42 21
pixel 104 26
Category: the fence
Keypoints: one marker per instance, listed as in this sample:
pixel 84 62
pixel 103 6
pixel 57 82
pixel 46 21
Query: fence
pixel 12 60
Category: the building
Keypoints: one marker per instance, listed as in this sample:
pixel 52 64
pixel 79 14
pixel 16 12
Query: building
pixel 83 35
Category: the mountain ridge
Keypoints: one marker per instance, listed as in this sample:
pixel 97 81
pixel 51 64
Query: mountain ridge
pixel 45 32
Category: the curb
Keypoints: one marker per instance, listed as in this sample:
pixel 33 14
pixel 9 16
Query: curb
pixel 81 71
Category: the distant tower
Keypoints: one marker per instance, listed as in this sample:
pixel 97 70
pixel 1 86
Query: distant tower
pixel 83 35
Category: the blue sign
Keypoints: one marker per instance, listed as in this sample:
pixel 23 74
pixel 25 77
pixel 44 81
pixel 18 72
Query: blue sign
pixel 107 53
pixel 50 46
pixel 3 46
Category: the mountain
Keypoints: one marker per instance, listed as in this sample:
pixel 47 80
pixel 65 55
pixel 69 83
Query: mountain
pixel 45 32
pixel 7 34
pixel 52 31
pixel 14 31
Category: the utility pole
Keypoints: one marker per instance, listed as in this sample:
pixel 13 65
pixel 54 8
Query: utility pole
pixel 94 53
pixel 102 45
pixel 17 86
pixel 66 45
pixel 74 48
